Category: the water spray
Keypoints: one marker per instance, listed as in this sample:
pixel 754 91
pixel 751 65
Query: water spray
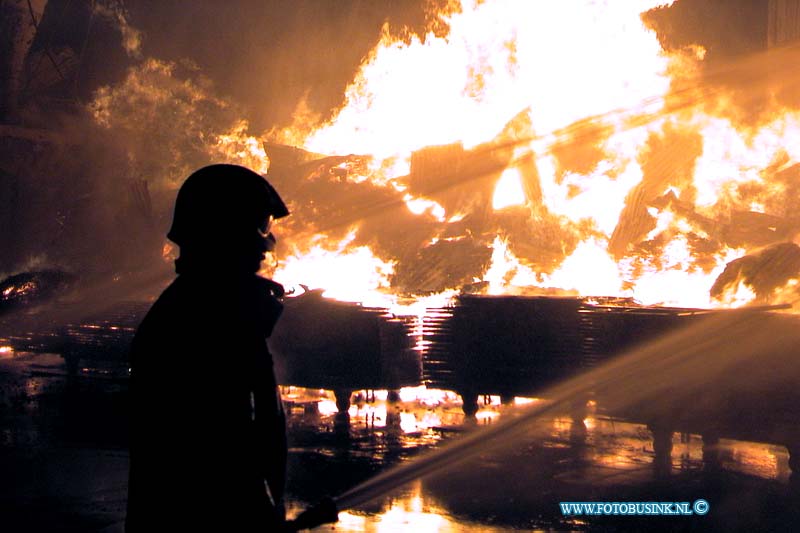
pixel 689 373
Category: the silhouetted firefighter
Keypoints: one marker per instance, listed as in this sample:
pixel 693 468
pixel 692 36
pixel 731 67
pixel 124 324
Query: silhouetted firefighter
pixel 208 428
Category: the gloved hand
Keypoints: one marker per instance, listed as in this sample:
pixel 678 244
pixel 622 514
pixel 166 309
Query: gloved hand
pixel 324 512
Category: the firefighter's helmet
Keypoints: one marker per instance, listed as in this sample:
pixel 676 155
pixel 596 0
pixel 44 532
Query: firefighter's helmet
pixel 223 202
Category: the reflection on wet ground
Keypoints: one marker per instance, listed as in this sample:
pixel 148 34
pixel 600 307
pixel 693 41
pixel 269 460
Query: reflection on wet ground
pixel 63 457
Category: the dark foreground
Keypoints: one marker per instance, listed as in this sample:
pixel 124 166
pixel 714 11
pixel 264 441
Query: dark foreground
pixel 63 459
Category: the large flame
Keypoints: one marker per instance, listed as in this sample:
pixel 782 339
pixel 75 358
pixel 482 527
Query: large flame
pixel 537 147
pixel 644 175
pixel 347 273
pixel 562 59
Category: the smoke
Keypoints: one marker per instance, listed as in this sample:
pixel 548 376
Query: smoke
pixel 166 117
pixel 115 12
pixel 267 55
pixel 154 90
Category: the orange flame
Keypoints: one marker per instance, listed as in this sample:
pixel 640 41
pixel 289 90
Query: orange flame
pixel 346 273
pixel 591 161
pixel 559 62
pixel 611 168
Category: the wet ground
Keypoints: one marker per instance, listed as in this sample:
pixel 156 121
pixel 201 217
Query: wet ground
pixel 63 459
